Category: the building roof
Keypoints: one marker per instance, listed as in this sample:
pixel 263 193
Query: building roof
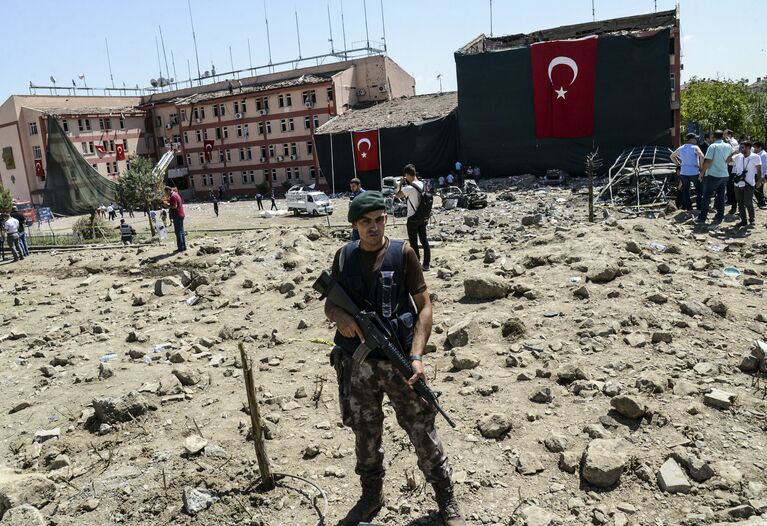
pixel 87 110
pixel 238 88
pixel 395 112
pixel 624 25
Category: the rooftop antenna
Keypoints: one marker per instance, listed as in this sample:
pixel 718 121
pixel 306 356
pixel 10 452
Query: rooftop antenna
pixel 330 26
pixel 194 37
pixel 159 65
pixel 383 24
pixel 593 12
pixel 439 78
pixel 491 18
pixel 109 62
pixel 343 29
pixel 250 57
pixel 231 61
pixel 656 6
pixel 189 69
pixel 165 56
pixel 81 76
pixel 367 37
pixel 268 38
pixel 173 62
pixel 298 33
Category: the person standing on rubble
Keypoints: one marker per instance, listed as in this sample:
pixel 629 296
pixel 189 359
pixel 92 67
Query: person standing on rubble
pixel 714 176
pixel 759 190
pixel 412 189
pixel 689 158
pixel 748 175
pixel 729 138
pixel 386 273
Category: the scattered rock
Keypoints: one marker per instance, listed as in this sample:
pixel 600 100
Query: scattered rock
pixel 461 333
pixel 542 396
pixel 513 328
pixel 167 285
pixel 536 516
pixel 604 461
pixel 485 288
pixel 628 406
pixel 110 410
pixel 528 464
pixel 603 274
pixel 24 515
pixel 197 499
pixel 494 425
pixel 17 489
pixel 555 443
pixel 582 293
pixel 672 479
pixel 194 444
pixel 719 399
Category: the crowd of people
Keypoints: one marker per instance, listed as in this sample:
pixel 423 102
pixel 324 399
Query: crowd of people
pixel 459 175
pixel 725 169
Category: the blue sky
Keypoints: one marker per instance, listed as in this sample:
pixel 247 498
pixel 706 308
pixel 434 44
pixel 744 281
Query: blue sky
pixel 65 39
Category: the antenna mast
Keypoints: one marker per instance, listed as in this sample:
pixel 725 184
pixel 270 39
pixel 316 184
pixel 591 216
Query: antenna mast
pixel 298 33
pixel 593 12
pixel 383 24
pixel 491 18
pixel 250 57
pixel 330 26
pixel 343 29
pixel 194 37
pixel 173 62
pixel 109 62
pixel 165 56
pixel 159 64
pixel 367 36
pixel 268 38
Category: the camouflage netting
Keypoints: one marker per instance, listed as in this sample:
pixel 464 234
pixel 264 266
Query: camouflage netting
pixel 72 186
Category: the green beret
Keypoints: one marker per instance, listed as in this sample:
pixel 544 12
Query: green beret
pixel 364 203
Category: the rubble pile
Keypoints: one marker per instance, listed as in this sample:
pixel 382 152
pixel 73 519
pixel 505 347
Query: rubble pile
pixel 608 373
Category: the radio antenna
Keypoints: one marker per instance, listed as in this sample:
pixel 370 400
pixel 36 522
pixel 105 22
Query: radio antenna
pixel 298 33
pixel 109 62
pixel 343 29
pixel 330 26
pixel 194 37
pixel 268 38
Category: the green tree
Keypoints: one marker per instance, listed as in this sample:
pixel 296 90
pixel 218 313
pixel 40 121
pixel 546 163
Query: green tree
pixel 716 104
pixel 139 187
pixel 6 201
pixel 757 116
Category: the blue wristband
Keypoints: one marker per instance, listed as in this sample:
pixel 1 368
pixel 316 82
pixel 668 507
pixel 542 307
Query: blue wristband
pixel 414 358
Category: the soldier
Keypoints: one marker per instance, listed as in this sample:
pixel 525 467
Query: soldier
pixel 387 275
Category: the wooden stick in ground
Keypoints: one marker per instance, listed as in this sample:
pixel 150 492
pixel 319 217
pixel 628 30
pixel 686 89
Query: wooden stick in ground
pixel 267 479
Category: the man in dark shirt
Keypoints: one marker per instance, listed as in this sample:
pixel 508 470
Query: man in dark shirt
pixel 355 185
pixel 390 267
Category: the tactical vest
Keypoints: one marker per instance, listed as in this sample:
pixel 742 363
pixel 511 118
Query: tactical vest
pixel 388 296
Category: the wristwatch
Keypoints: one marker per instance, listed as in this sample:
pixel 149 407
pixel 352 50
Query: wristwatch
pixel 416 358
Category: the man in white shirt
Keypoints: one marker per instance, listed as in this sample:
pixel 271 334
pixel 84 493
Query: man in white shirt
pixel 731 200
pixel 759 190
pixel 450 179
pixel 747 169
pixel 412 189
pixel 11 227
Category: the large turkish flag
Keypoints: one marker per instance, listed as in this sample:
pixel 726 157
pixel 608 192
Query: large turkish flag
pixel 564 73
pixel 365 144
pixel 39 171
pixel 120 149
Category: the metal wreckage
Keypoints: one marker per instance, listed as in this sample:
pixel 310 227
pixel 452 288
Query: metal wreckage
pixel 470 197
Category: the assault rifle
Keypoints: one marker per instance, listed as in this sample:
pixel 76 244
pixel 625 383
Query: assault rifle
pixel 378 335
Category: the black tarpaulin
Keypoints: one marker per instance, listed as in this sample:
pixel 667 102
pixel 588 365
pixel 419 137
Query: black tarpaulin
pixel 72 186
pixel 496 111
pixel 430 145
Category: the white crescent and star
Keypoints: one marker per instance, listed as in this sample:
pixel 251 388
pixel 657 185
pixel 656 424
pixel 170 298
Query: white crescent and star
pixel 362 141
pixel 563 61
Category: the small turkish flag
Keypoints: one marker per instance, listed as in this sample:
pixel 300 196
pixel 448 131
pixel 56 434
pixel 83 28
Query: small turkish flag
pixel 564 74
pixel 208 149
pixel 101 149
pixel 120 149
pixel 39 171
pixel 365 144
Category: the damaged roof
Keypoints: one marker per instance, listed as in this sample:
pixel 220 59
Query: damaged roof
pixel 401 111
pixel 624 25
pixel 237 88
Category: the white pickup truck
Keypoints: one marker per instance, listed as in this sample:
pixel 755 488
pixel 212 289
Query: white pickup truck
pixel 307 199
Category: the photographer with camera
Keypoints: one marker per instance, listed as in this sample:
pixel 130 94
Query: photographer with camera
pixel 747 167
pixel 418 212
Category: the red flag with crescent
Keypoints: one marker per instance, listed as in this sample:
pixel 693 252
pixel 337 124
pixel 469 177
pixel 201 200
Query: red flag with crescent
pixel 209 149
pixel 564 76
pixel 39 171
pixel 365 144
pixel 120 149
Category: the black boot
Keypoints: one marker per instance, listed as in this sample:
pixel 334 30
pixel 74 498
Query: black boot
pixel 368 505
pixel 448 506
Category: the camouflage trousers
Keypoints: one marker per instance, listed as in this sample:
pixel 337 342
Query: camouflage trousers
pixel 361 391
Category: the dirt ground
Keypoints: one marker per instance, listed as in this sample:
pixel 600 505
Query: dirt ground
pixel 587 314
